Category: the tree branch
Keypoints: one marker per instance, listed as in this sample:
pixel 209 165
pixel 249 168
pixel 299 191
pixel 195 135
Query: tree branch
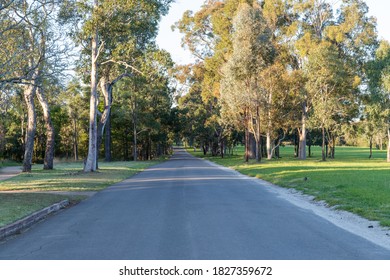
pixel 125 64
pixel 99 51
pixel 121 77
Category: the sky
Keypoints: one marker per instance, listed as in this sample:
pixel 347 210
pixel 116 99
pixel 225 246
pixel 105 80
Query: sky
pixel 171 41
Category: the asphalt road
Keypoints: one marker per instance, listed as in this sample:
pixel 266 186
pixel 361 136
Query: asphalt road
pixel 187 208
pixel 8 172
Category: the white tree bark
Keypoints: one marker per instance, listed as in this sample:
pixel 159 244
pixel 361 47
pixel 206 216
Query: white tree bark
pixel 29 93
pixel 50 136
pixel 303 134
pixel 91 162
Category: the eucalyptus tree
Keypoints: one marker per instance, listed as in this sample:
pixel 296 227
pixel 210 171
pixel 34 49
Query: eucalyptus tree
pixel 377 105
pixel 11 42
pixel 349 30
pixel 309 20
pixel 55 61
pixel 354 33
pixel 280 79
pixel 330 83
pixel 207 34
pixel 34 19
pixel 142 107
pixel 31 55
pixel 241 89
pixel 113 34
pixel 276 85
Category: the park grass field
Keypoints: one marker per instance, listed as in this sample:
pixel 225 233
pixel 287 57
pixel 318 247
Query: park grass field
pixel 15 206
pixel 5 163
pixel 22 195
pixel 70 177
pixel 351 181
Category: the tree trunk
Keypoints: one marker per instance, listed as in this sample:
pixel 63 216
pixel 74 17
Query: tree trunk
pixel 327 149
pixel 135 153
pixel 106 88
pixel 277 151
pixel 323 144
pixel 296 144
pixel 29 93
pixel 91 162
pixel 75 141
pixel 134 116
pixel 388 144
pixel 149 147
pixel 255 137
pixel 303 134
pixel 247 144
pixel 253 145
pixel 50 136
pixel 269 146
pixel 333 151
pixel 222 147
pixel 107 141
pixel 257 150
pixel 99 139
pixel 381 143
pixel 247 135
pixel 370 156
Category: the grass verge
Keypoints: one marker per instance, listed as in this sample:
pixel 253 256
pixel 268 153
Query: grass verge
pixel 6 163
pixel 350 182
pixel 25 197
pixel 15 206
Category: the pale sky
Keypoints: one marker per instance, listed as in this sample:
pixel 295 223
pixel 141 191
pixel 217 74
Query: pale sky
pixel 171 41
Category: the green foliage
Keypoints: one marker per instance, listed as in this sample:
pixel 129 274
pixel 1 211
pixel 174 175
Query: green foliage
pixel 144 103
pixel 376 114
pixel 330 84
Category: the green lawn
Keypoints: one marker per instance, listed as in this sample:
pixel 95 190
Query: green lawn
pixel 5 163
pixel 65 177
pixel 69 177
pixel 18 205
pixel 350 182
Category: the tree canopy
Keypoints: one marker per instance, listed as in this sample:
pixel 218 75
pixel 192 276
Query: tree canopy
pixel 266 73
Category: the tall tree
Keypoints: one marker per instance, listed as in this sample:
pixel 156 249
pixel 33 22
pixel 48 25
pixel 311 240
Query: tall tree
pixel 33 54
pixel 310 18
pixel 34 17
pixel 252 53
pixel 378 72
pixel 144 104
pixel 207 34
pixel 114 28
pixel 330 83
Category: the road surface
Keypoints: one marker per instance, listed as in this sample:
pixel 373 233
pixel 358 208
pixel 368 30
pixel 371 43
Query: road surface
pixel 9 172
pixel 187 208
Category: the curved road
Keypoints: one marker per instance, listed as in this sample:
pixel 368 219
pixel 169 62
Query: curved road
pixel 8 172
pixel 187 208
